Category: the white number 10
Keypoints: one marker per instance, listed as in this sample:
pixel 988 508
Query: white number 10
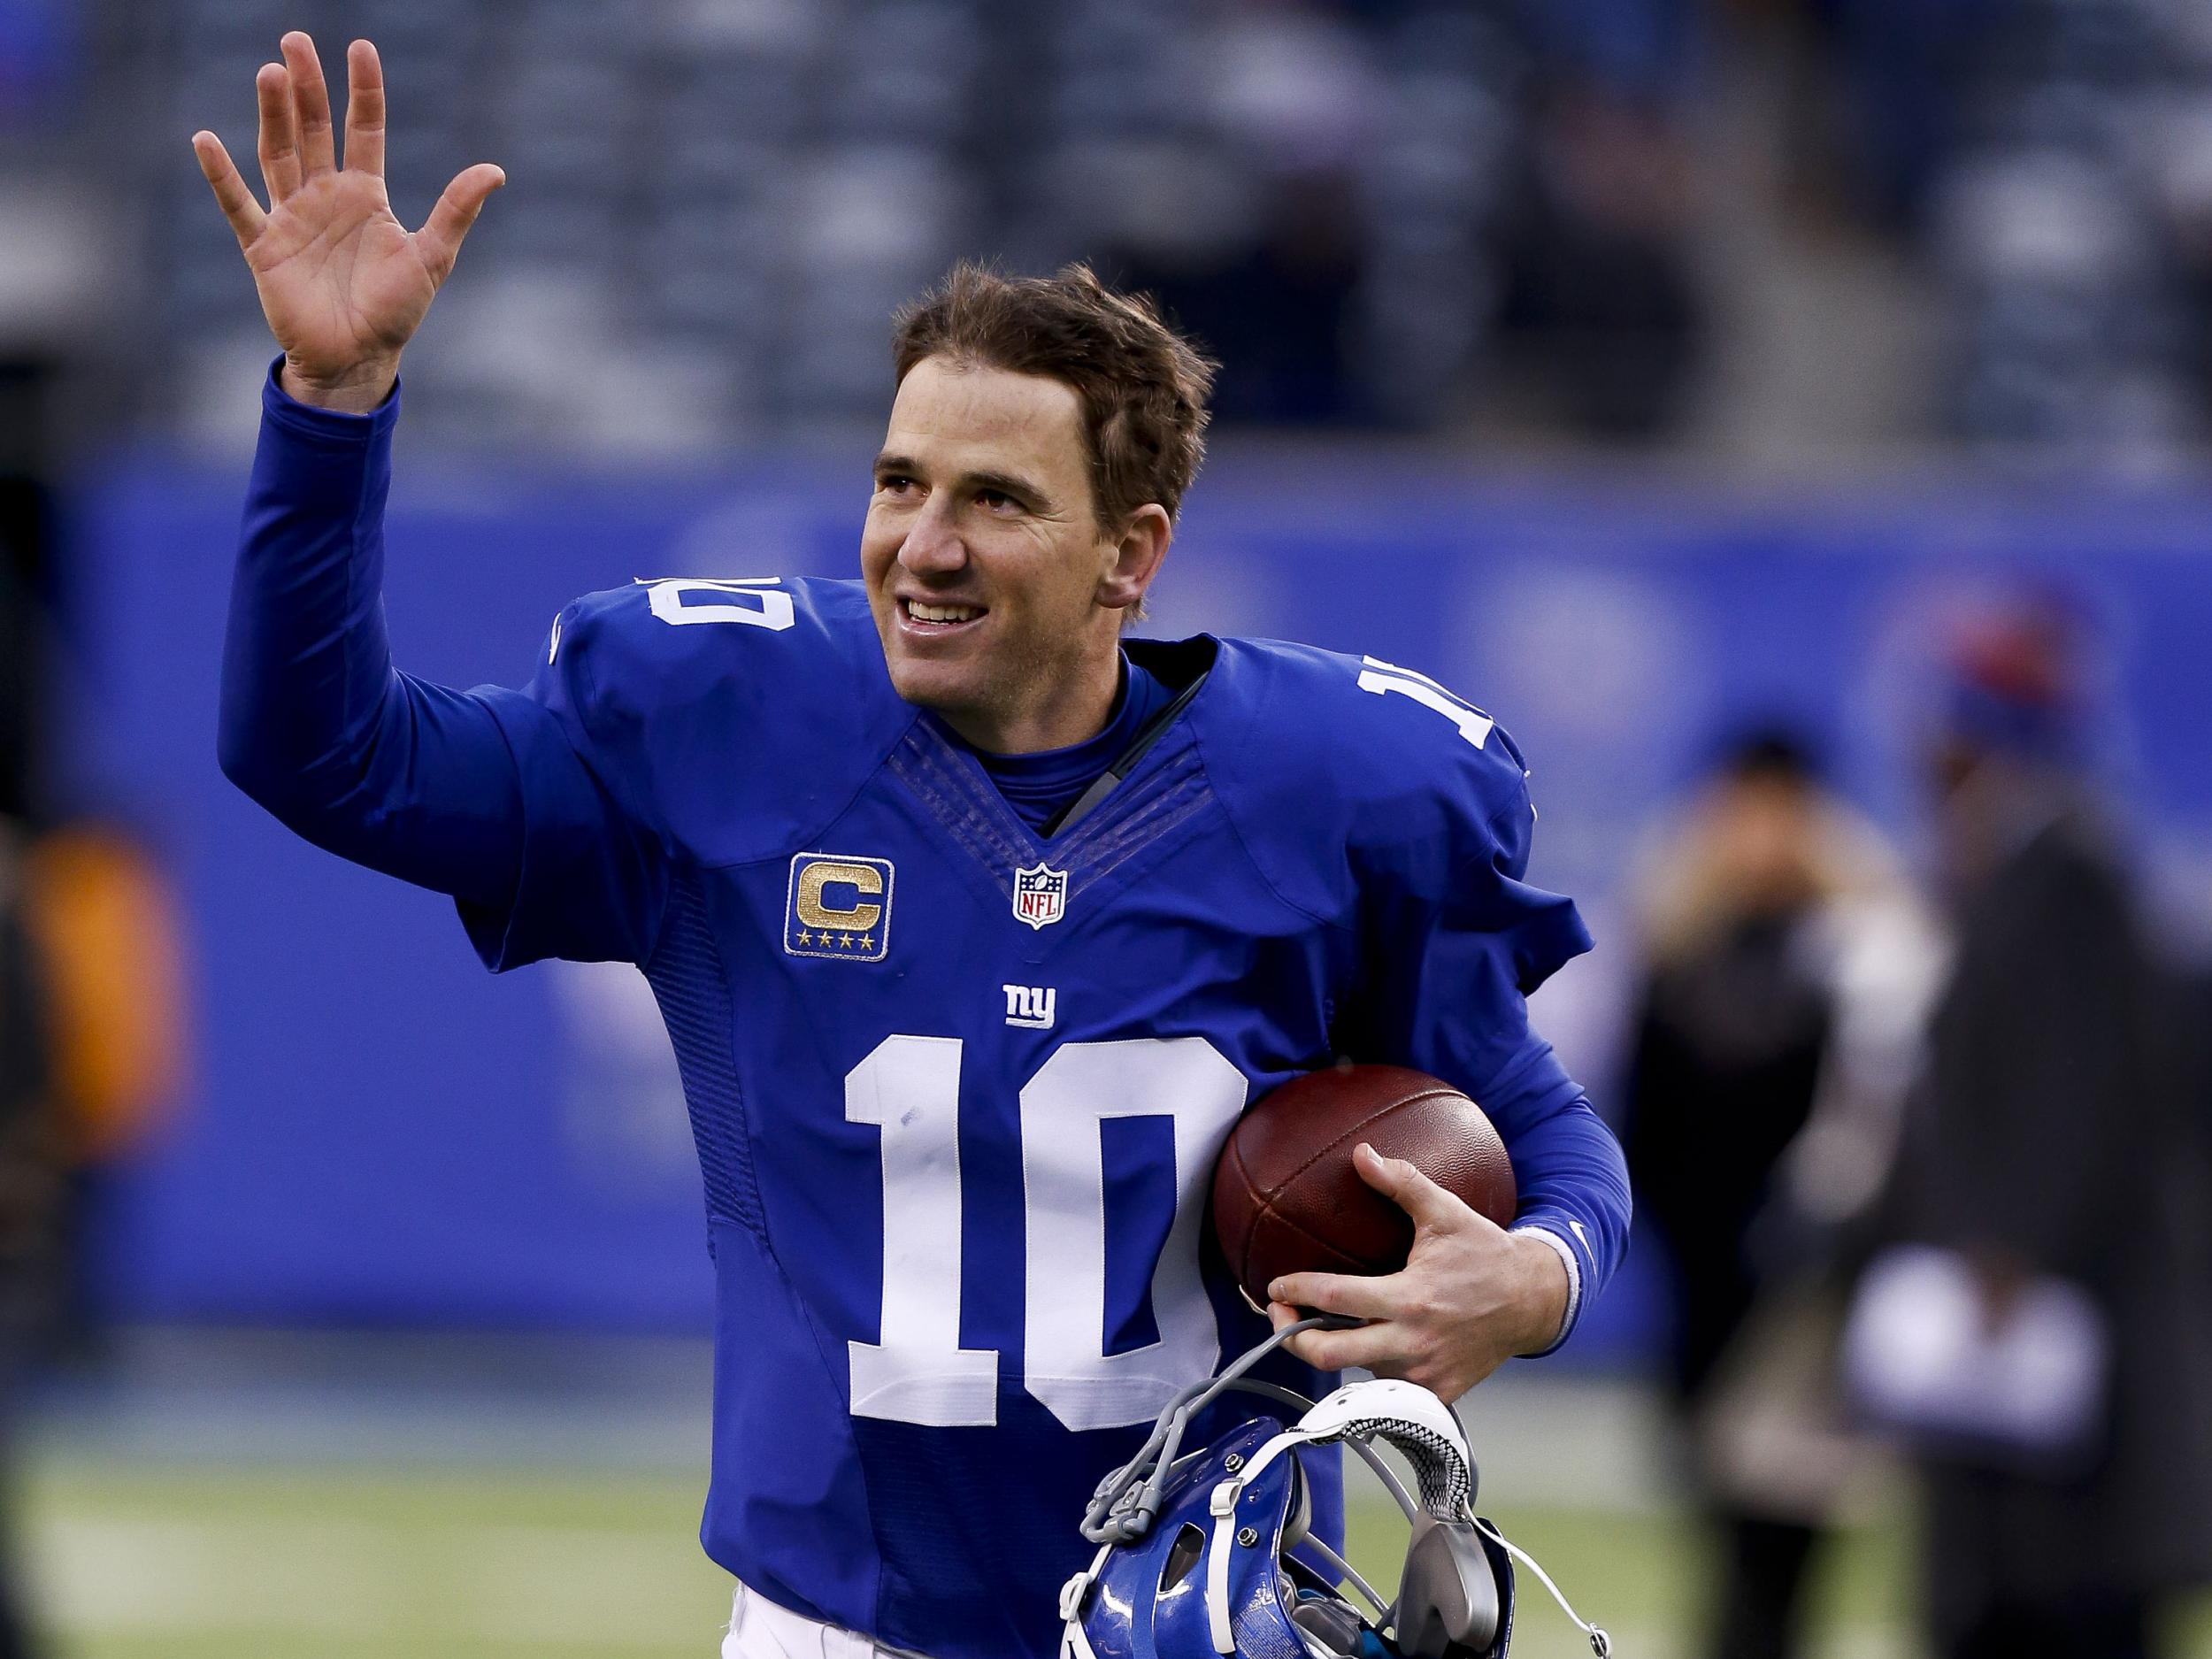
pixel 916 1370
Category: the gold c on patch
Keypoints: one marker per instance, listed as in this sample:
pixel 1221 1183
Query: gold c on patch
pixel 838 907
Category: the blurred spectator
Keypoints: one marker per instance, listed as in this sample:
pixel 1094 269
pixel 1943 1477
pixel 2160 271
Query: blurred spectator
pixel 1787 968
pixel 2047 1154
pixel 1276 310
pixel 28 1190
pixel 1876 95
pixel 105 924
pixel 1600 308
pixel 1602 320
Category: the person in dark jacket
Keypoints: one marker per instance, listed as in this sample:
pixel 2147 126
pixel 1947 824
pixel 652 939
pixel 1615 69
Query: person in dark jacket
pixel 2047 1146
pixel 1777 933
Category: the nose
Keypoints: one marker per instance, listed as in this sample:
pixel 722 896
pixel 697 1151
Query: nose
pixel 933 545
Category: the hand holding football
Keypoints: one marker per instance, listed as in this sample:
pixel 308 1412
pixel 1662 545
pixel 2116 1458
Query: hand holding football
pixel 1287 1197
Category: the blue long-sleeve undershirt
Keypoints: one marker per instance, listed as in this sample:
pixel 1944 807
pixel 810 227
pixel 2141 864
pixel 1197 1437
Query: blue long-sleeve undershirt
pixel 408 778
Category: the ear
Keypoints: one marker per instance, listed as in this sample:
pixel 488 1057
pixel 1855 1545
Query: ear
pixel 1134 559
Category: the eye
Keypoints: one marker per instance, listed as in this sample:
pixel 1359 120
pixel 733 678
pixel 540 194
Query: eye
pixel 893 484
pixel 997 501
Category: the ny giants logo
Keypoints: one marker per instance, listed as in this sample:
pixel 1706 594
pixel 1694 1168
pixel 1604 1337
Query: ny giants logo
pixel 1034 1006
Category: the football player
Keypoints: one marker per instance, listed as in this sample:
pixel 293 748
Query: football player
pixel 974 924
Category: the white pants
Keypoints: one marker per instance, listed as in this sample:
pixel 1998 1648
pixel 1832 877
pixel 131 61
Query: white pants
pixel 761 1629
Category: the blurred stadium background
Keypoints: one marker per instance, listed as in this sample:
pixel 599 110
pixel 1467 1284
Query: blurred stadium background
pixel 1646 369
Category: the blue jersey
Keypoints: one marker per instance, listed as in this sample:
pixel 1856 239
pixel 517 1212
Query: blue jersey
pixel 958 1090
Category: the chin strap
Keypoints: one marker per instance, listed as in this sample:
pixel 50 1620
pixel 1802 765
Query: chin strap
pixel 1601 1644
pixel 1073 1643
pixel 1127 1501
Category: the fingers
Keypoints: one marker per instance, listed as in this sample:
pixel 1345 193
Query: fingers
pixel 439 240
pixel 1429 1204
pixel 231 194
pixel 311 103
pixel 1371 1346
pixel 1363 1298
pixel 365 110
pixel 278 147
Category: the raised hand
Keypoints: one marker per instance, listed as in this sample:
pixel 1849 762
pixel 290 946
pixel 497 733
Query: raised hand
pixel 343 283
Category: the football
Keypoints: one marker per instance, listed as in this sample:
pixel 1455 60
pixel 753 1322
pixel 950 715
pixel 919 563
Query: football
pixel 1288 1199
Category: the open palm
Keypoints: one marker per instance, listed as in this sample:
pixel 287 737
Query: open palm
pixel 343 283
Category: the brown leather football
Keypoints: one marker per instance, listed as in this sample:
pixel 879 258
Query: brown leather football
pixel 1288 1198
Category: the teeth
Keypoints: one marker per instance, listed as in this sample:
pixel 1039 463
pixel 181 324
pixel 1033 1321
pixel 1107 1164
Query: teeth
pixel 921 613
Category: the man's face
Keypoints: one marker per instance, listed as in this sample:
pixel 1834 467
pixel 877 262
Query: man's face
pixel 1765 834
pixel 985 563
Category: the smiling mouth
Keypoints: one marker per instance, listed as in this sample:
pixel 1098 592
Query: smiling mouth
pixel 926 617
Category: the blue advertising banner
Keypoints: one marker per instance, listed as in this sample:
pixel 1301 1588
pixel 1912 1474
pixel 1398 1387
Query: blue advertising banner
pixel 378 1132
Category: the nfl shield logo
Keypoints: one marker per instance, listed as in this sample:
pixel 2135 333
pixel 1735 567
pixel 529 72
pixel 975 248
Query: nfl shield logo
pixel 1041 894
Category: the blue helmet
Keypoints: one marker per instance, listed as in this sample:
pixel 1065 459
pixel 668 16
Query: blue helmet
pixel 1148 1598
pixel 1196 1559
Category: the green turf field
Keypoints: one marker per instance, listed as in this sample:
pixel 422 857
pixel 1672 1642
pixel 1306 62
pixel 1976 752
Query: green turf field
pixel 197 1562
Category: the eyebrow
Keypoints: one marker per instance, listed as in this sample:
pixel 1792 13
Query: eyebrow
pixel 1005 483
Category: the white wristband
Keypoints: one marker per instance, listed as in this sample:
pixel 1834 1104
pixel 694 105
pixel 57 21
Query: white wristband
pixel 1574 1283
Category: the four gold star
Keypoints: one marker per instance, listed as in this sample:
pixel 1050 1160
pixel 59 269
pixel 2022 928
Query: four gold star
pixel 842 941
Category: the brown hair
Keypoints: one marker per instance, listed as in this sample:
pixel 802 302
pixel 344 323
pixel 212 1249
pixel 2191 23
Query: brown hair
pixel 1143 387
